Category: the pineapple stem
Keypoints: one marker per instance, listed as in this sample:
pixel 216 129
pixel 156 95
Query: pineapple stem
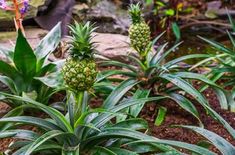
pixel 79 104
pixel 143 55
pixel 143 59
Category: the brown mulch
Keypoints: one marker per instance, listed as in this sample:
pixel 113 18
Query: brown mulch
pixel 4 108
pixel 177 116
pixel 4 144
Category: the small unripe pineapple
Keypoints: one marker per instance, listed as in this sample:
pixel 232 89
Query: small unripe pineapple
pixel 80 71
pixel 139 31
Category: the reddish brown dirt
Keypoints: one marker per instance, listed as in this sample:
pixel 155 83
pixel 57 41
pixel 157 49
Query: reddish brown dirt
pixel 4 108
pixel 4 143
pixel 177 116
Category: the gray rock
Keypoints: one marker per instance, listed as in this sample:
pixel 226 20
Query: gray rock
pixel 80 11
pixel 113 46
pixel 80 8
pixel 109 17
pixel 61 11
pixel 33 35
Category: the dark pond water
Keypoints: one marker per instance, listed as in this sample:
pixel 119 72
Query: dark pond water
pixel 194 45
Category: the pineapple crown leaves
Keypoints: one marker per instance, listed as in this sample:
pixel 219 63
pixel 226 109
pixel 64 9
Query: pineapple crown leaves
pixel 82 45
pixel 135 13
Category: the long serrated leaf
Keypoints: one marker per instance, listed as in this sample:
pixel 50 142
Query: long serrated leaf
pixel 213 76
pixel 186 105
pixel 120 151
pixel 157 55
pixel 218 46
pixel 163 56
pixel 158 37
pixel 192 91
pixel 126 133
pixel 184 85
pixel 221 144
pixel 19 133
pixel 180 59
pixel 218 89
pixel 189 75
pixel 170 153
pixel 22 150
pixel 98 150
pixel 14 112
pixel 119 64
pixel 109 133
pixel 19 144
pixel 137 61
pixel 221 96
pixel 231 38
pixel 190 147
pixel 119 93
pixel 31 120
pixel 48 146
pixel 108 73
pixel 10 83
pixel 55 114
pixel 222 121
pixel 205 61
pixel 231 20
pixel 83 118
pixel 142 148
pixel 100 120
pixel 135 124
pixel 135 110
pixel 39 141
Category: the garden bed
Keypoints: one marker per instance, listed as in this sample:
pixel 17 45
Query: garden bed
pixel 175 116
pixel 137 95
pixel 178 116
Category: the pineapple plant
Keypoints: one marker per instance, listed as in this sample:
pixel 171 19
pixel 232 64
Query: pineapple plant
pixel 139 30
pixel 80 71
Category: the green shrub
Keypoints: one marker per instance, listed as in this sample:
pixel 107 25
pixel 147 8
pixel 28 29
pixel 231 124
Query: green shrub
pixel 150 74
pixel 224 68
pixel 90 131
pixel 29 71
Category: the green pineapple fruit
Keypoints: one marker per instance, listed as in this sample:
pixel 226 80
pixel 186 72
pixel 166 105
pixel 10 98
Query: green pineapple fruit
pixel 139 31
pixel 80 70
